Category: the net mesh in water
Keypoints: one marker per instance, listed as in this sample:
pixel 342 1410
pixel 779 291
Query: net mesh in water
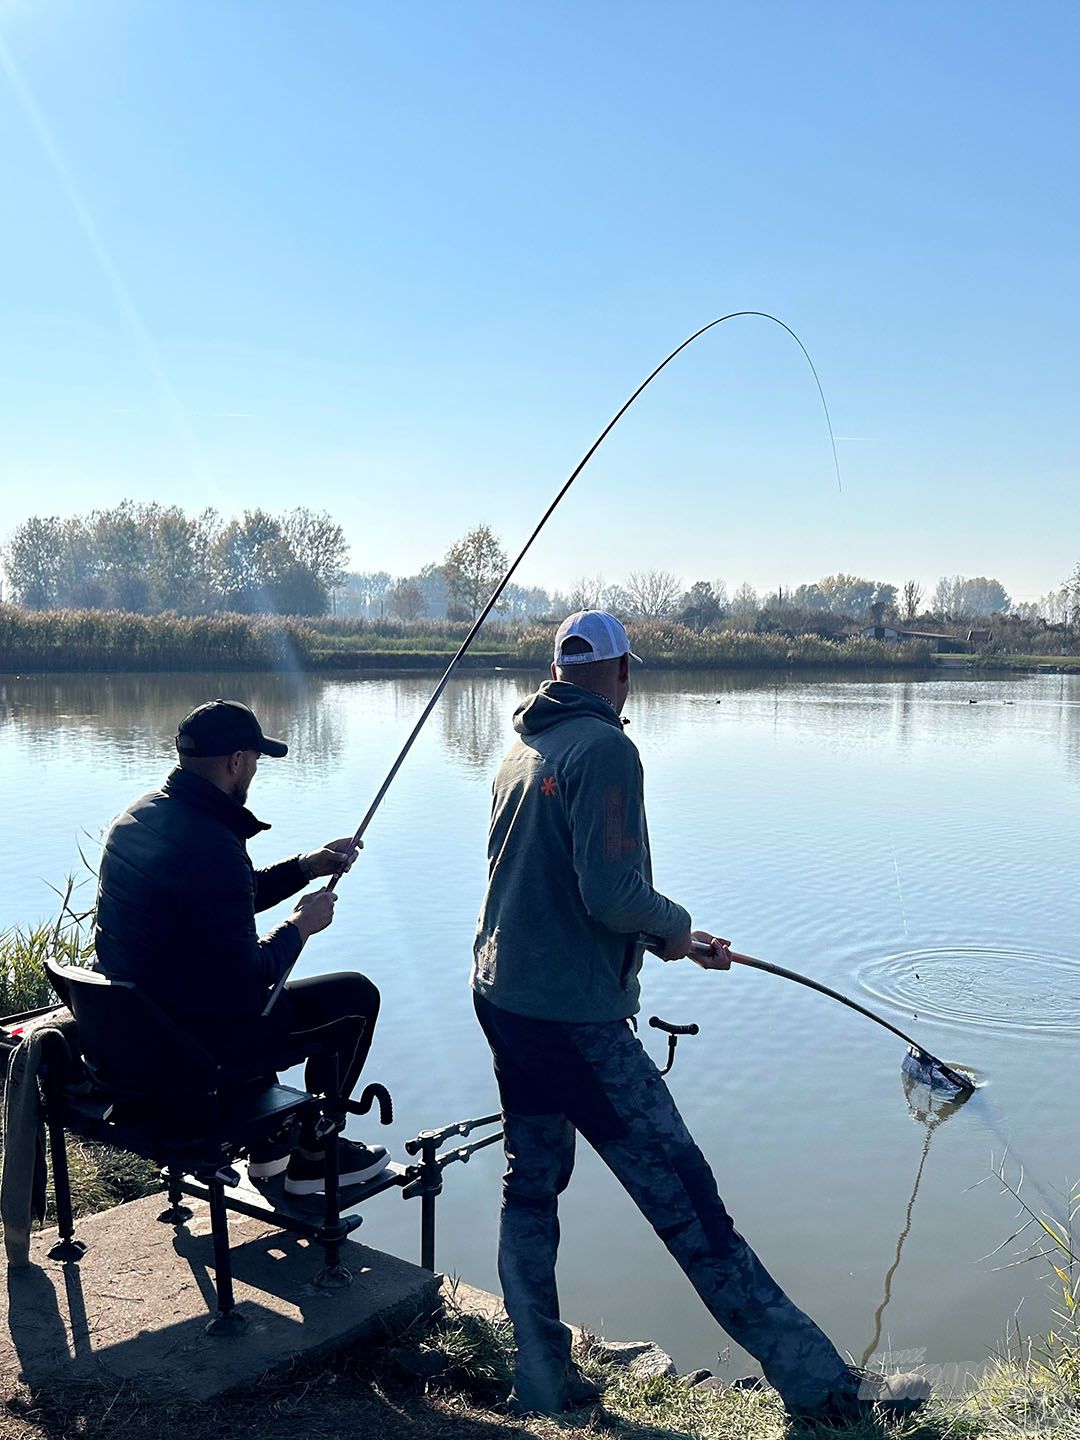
pixel 923 1069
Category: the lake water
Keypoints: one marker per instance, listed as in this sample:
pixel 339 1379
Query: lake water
pixel 910 842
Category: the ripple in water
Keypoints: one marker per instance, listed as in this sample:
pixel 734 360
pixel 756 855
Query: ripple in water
pixel 1000 989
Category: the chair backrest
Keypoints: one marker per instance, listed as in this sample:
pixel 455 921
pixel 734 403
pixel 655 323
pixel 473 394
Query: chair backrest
pixel 129 1045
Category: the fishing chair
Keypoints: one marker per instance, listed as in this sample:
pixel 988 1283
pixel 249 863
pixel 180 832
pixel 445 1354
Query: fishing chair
pixel 137 1081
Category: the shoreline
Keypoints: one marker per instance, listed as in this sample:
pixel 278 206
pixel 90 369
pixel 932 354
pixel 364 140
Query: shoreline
pixel 373 663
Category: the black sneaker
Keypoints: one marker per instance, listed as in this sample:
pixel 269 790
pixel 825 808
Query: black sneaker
pixel 358 1164
pixel 580 1390
pixel 271 1157
pixel 574 1392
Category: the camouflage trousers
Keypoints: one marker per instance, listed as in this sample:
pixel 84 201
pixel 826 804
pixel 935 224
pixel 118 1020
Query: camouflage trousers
pixel 557 1079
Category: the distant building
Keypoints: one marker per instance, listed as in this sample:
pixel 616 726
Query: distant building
pixel 975 638
pixel 897 634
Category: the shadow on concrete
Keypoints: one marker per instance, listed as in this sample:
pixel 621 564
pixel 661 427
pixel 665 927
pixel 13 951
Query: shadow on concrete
pixel 134 1311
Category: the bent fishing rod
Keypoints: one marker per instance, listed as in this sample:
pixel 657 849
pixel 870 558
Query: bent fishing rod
pixel 578 468
pixel 701 949
pixel 380 794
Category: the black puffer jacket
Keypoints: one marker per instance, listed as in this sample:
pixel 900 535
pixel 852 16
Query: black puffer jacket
pixel 177 898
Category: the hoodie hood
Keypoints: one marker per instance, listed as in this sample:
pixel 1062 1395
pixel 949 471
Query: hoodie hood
pixel 559 700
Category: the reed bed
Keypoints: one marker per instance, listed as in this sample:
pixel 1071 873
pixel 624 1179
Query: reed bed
pixel 58 640
pixel 52 640
pixel 668 645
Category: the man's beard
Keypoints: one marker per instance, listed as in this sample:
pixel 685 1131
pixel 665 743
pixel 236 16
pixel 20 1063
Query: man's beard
pixel 239 792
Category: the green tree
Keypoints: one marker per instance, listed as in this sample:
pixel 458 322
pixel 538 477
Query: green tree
pixel 120 542
pixel 406 600
pixel 473 566
pixel 247 554
pixel 958 598
pixel 33 559
pixel 702 605
pixel 853 595
pixel 319 546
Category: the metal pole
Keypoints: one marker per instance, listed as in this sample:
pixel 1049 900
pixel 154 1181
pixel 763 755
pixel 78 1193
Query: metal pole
pixel 431 1185
pixel 219 1224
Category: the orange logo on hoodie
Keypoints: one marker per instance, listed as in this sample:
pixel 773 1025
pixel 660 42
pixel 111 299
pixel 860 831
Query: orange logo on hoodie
pixel 548 786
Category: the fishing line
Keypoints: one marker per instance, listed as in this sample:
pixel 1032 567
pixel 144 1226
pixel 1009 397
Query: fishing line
pixel 899 885
pixel 508 576
pixel 478 622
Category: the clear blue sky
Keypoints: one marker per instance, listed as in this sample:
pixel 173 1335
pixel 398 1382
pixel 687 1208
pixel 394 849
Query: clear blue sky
pixel 403 260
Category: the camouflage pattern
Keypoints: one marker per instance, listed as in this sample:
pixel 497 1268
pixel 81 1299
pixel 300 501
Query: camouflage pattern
pixel 657 1162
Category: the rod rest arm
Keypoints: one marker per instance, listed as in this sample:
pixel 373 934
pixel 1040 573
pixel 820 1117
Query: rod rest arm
pixel 436 1137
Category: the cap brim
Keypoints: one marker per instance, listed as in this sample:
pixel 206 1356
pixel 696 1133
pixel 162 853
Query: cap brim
pixel 638 658
pixel 275 748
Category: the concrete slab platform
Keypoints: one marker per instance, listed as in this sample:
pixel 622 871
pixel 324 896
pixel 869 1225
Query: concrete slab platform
pixel 136 1306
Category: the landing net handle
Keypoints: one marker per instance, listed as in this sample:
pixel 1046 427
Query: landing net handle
pixel 702 949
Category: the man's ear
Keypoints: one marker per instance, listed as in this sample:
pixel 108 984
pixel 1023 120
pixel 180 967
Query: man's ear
pixel 624 669
pixel 554 676
pixel 235 762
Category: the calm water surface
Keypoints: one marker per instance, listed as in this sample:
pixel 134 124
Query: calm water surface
pixel 889 837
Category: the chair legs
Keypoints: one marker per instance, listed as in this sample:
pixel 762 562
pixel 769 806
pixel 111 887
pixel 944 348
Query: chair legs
pixel 334 1275
pixel 67 1247
pixel 177 1212
pixel 228 1319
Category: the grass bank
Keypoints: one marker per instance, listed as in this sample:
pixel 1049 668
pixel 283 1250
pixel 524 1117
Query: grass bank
pixel 1050 664
pixel 449 1381
pixel 83 640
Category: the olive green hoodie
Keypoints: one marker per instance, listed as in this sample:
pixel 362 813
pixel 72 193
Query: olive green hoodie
pixel 569 877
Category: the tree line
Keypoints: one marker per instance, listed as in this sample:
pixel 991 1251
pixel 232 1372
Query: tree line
pixel 154 559
pixel 151 559
pixel 457 587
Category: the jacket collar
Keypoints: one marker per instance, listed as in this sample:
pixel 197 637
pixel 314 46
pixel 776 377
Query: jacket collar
pixel 559 700
pixel 203 795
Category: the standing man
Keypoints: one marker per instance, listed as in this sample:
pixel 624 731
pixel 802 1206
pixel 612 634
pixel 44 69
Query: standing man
pixel 176 906
pixel 555 980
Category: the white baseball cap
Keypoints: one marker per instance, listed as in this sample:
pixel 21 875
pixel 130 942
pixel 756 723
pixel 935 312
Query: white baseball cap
pixel 603 634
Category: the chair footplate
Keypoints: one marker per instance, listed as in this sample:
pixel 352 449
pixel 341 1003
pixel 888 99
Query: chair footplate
pixel 227 1322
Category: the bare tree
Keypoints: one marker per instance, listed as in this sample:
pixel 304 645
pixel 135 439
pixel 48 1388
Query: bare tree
pixel 586 593
pixel 910 599
pixel 653 594
pixel 745 601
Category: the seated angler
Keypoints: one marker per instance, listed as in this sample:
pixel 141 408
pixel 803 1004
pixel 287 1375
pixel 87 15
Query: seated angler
pixel 176 906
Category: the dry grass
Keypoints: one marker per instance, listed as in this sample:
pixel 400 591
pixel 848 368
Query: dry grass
pixel 449 1381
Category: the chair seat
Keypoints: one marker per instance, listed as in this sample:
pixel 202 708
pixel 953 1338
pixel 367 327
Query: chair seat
pixel 231 1123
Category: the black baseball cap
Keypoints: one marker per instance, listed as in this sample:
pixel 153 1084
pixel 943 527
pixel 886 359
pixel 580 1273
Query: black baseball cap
pixel 221 726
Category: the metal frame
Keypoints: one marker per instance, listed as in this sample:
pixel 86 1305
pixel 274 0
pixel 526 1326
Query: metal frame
pixel 212 1180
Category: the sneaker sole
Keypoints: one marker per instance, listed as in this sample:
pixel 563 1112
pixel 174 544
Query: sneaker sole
pixel 317 1186
pixel 267 1169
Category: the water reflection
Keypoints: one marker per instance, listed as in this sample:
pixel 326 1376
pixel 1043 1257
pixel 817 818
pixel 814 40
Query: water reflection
pixel 137 715
pixel 475 723
pixel 929 1108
